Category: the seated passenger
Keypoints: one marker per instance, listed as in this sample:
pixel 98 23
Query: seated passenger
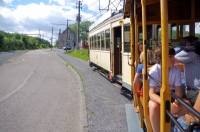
pixel 184 121
pixel 190 57
pixel 138 76
pixel 154 88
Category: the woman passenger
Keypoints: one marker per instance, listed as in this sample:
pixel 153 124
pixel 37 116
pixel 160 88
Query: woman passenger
pixel 140 48
pixel 137 82
pixel 154 88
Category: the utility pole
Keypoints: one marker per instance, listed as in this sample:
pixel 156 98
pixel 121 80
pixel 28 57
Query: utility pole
pixel 78 19
pixel 39 36
pixel 67 33
pixel 52 38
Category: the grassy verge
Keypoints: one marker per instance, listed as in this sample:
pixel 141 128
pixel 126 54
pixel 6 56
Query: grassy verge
pixel 82 54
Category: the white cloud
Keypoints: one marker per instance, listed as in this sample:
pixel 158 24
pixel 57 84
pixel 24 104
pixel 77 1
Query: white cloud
pixel 8 1
pixel 33 17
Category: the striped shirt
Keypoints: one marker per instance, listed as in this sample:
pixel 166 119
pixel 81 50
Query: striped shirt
pixel 191 62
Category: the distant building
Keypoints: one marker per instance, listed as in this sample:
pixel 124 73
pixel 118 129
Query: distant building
pixel 65 39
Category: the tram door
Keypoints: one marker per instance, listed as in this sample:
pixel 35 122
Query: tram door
pixel 117 52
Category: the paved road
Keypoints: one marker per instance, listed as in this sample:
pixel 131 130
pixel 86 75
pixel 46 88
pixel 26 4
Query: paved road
pixel 39 93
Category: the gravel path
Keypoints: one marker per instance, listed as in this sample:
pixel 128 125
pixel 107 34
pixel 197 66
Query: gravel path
pixel 105 104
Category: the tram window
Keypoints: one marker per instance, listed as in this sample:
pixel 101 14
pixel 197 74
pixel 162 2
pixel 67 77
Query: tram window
pixel 197 29
pixel 102 41
pixel 90 42
pixel 94 41
pixel 173 31
pixel 126 38
pixel 184 30
pixel 98 41
pixel 159 34
pixel 107 39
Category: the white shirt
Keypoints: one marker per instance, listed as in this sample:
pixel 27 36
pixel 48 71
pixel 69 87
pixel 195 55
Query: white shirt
pixel 174 77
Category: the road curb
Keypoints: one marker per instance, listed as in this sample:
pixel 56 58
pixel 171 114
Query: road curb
pixel 83 103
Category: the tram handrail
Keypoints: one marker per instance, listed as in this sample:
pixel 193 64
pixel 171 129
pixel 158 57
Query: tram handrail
pixel 175 121
pixel 188 107
pixel 158 82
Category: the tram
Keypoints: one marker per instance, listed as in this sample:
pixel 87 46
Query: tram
pixel 173 20
pixel 113 48
pixel 109 47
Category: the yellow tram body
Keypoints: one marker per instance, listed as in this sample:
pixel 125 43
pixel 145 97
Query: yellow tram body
pixel 166 14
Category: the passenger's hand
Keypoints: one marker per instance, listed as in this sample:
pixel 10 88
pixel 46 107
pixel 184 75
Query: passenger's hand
pixel 175 110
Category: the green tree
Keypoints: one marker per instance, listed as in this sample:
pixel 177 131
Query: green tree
pixel 84 28
pixel 1 39
pixel 56 44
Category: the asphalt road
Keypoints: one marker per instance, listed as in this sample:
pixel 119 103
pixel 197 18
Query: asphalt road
pixel 40 93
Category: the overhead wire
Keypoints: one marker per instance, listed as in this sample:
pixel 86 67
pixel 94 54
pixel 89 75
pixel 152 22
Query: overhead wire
pixel 103 9
pixel 90 5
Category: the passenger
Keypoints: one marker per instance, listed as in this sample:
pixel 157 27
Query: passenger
pixel 154 88
pixel 190 57
pixel 150 57
pixel 186 42
pixel 140 48
pixel 184 121
pixel 138 76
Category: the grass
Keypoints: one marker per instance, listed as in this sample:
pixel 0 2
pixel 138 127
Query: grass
pixel 68 64
pixel 82 53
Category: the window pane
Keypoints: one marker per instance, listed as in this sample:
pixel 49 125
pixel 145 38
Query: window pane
pixel 107 39
pixel 126 38
pixel 173 31
pixel 108 44
pixel 102 40
pixel 197 29
pixel 184 30
pixel 107 33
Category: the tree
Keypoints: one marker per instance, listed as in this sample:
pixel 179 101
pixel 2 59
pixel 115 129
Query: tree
pixel 84 28
pixel 56 44
pixel 1 39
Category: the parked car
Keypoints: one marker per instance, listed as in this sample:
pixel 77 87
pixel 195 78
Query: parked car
pixel 68 47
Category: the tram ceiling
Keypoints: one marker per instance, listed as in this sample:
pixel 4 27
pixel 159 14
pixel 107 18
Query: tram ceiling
pixel 176 10
pixel 127 8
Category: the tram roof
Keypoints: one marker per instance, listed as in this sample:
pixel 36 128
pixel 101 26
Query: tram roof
pixel 106 17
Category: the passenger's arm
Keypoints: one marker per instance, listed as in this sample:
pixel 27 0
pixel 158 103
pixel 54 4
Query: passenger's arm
pixel 178 91
pixel 136 84
pixel 176 60
pixel 153 96
pixel 185 57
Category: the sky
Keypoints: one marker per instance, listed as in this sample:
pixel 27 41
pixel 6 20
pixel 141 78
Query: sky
pixel 35 17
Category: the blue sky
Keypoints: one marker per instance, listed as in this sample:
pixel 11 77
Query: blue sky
pixel 37 16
